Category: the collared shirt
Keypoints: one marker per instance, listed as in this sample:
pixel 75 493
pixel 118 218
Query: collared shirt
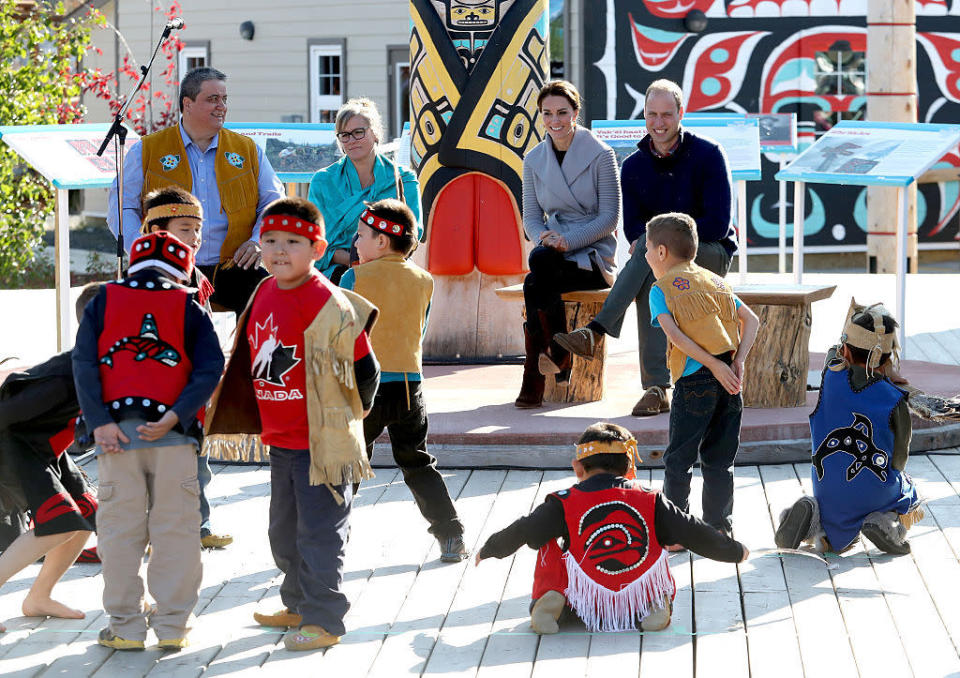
pixel 673 149
pixel 202 167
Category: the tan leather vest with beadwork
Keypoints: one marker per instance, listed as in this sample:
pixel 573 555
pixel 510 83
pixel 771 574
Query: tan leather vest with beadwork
pixel 703 307
pixel 402 291
pixel 236 181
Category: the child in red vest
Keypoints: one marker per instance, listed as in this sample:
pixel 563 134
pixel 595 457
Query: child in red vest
pixel 611 568
pixel 146 360
pixel 178 212
pixel 301 377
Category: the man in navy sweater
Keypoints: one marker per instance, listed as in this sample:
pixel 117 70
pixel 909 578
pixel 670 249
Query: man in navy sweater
pixel 672 170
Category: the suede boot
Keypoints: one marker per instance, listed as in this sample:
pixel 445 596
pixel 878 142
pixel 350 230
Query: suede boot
pixel 531 389
pixel 554 359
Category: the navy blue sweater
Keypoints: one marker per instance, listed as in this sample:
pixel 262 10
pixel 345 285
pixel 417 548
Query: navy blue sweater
pixel 695 180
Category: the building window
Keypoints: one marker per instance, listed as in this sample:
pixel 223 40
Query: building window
pixel 193 55
pixel 841 73
pixel 326 80
pixel 398 79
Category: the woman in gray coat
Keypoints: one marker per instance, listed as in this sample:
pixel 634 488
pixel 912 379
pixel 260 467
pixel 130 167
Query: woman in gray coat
pixel 571 206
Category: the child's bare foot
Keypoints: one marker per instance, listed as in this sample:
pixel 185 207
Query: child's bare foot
pixel 48 607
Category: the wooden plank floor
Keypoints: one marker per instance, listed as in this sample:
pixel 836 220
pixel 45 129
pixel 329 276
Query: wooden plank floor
pixel 866 614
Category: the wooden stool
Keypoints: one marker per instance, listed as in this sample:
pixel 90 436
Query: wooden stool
pixel 777 366
pixel 586 376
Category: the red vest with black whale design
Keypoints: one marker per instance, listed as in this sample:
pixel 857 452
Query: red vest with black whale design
pixel 143 362
pixel 617 571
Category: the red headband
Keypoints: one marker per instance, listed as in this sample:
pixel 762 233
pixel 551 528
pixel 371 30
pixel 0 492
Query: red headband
pixel 381 223
pixel 290 224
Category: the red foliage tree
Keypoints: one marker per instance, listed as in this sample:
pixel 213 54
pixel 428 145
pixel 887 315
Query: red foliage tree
pixel 153 108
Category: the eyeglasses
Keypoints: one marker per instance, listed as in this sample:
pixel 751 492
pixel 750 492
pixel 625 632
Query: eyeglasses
pixel 357 134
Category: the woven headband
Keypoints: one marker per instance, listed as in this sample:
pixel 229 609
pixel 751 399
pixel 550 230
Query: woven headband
pixel 876 341
pixel 381 223
pixel 173 210
pixel 627 447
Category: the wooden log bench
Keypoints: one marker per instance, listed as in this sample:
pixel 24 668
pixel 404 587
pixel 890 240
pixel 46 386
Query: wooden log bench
pixel 777 366
pixel 587 377
pixel 776 369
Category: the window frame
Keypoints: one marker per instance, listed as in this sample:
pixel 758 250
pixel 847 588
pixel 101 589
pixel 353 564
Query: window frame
pixel 317 47
pixel 398 56
pixel 192 49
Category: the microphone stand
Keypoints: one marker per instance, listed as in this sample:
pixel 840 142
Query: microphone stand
pixel 117 129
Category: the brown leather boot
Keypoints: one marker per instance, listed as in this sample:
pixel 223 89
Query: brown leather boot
pixel 531 389
pixel 554 359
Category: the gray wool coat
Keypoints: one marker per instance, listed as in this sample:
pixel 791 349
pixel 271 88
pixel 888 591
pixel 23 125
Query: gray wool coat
pixel 580 200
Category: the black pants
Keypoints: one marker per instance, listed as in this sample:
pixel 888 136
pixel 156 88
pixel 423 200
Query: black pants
pixel 550 276
pixel 407 427
pixel 704 422
pixel 308 534
pixel 233 285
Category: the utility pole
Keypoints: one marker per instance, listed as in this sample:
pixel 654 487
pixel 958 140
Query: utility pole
pixel 891 97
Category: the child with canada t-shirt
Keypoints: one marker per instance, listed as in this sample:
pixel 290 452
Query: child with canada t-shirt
pixel 302 376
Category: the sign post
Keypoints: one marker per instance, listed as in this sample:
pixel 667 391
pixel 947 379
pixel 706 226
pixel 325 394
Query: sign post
pixel 778 137
pixel 871 154
pixel 66 155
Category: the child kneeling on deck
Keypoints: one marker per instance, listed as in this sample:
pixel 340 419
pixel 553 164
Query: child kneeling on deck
pixel 611 569
pixel 860 433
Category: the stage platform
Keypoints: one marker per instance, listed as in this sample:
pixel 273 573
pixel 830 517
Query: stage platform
pixel 474 424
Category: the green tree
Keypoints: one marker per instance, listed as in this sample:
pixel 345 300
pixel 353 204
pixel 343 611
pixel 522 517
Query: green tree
pixel 41 79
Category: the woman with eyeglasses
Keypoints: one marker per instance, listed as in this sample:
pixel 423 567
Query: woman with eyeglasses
pixel 361 175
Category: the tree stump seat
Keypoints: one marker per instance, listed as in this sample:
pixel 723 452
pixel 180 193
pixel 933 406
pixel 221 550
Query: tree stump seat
pixel 587 376
pixel 777 366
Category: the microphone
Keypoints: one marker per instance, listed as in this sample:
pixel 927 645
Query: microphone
pixel 175 24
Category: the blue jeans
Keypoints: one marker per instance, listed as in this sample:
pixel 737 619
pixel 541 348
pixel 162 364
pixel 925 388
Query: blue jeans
pixel 203 478
pixel 704 423
pixel 308 533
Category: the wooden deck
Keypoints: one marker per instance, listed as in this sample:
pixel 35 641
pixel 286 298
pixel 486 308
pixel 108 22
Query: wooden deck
pixel 865 614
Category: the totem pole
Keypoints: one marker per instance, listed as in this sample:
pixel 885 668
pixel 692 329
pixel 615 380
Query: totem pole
pixel 476 67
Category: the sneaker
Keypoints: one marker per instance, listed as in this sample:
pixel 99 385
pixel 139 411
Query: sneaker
pixel 308 637
pixel 582 341
pixel 89 555
pixel 108 638
pixel 883 540
pixel 172 643
pixel 453 550
pixel 283 617
pixel 794 524
pixel 215 541
pixel 546 612
pixel 654 401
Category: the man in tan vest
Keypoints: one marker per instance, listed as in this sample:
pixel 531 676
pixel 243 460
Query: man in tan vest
pixel 226 171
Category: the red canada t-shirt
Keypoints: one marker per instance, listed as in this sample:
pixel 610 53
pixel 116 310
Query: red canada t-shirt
pixel 278 319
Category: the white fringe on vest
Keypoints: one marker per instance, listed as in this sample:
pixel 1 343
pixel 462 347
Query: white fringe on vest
pixel 604 610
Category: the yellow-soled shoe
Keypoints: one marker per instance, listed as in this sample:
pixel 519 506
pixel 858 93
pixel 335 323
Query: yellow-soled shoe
pixel 173 643
pixel 215 541
pixel 108 638
pixel 282 618
pixel 308 637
